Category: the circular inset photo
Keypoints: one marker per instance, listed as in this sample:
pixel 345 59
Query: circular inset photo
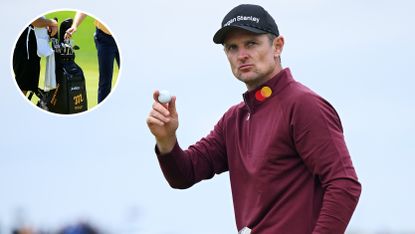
pixel 66 62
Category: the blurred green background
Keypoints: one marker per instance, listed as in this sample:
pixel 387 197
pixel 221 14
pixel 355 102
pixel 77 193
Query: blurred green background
pixel 85 57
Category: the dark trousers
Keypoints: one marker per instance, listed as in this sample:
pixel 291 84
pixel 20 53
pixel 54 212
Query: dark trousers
pixel 107 52
pixel 26 62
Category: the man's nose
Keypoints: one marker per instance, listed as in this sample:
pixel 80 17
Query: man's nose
pixel 242 54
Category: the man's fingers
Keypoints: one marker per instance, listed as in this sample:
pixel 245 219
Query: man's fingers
pixel 163 123
pixel 160 116
pixel 161 108
pixel 69 32
pixel 171 106
pixel 154 121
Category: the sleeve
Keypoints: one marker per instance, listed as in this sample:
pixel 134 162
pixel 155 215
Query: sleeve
pixel 319 140
pixel 184 168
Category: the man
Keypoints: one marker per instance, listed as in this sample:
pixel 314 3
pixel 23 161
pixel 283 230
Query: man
pixel 283 146
pixel 107 51
pixel 26 60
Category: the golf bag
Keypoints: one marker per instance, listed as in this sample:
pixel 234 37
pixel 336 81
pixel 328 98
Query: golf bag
pixel 70 93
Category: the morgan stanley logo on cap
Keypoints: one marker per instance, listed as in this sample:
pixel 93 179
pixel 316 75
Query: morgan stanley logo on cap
pixel 253 18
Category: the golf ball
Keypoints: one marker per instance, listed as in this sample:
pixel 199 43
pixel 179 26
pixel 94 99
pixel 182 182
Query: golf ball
pixel 164 96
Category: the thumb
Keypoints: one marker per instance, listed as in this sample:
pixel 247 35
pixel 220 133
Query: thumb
pixel 156 95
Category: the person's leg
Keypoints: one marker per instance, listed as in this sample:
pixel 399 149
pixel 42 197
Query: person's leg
pixel 117 56
pixel 106 49
pixel 26 66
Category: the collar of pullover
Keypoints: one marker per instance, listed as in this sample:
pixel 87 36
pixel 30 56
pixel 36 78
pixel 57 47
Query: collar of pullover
pixel 269 89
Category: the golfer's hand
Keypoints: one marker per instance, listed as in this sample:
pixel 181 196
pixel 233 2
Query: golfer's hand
pixel 53 27
pixel 69 32
pixel 163 122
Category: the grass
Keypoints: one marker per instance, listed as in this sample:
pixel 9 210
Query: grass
pixel 86 56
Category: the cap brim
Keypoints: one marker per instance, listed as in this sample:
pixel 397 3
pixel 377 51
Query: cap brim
pixel 220 35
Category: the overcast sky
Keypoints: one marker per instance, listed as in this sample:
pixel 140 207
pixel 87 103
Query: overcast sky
pixel 101 166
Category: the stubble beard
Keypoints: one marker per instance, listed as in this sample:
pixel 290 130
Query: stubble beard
pixel 251 80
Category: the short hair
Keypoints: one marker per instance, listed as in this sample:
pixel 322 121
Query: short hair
pixel 271 37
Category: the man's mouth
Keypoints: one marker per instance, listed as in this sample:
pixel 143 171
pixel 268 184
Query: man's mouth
pixel 245 67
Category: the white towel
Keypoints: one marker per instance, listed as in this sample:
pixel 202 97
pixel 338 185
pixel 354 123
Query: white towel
pixel 50 75
pixel 42 40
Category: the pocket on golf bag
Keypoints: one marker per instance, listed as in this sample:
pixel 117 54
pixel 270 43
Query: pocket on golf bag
pixel 70 93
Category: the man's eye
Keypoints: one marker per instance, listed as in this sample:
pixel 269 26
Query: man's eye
pixel 251 43
pixel 231 48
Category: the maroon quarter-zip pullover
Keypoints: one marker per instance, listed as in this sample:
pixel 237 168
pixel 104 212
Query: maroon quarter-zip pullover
pixel 289 166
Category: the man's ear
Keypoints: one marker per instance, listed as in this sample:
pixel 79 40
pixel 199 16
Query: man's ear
pixel 278 45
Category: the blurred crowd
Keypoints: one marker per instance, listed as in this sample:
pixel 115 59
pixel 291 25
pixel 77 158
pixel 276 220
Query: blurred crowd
pixel 79 228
